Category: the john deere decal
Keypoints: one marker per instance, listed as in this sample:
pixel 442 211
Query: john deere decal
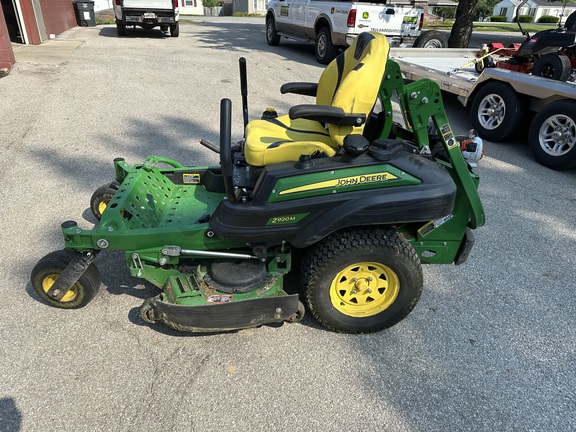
pixel 345 181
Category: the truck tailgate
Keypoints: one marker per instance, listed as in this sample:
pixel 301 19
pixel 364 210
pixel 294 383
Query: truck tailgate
pixel 148 4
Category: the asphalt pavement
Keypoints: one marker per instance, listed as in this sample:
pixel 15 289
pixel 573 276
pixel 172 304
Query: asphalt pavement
pixel 489 347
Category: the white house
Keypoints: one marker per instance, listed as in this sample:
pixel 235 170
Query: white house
pixel 535 8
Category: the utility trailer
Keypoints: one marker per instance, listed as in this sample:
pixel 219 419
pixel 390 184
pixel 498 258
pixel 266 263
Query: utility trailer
pixel 503 101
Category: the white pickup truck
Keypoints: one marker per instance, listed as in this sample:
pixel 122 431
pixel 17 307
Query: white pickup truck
pixel 333 25
pixel 147 14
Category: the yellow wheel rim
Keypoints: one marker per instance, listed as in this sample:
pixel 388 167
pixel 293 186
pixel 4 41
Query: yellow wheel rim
pixel 102 205
pixel 49 280
pixel 364 289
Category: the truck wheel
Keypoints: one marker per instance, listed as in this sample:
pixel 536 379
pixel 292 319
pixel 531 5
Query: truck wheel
pixel 361 280
pixel 49 268
pixel 101 197
pixel 121 28
pixel 552 135
pixel 497 111
pixel 326 51
pixel 272 36
pixel 175 30
pixel 553 66
pixel 431 39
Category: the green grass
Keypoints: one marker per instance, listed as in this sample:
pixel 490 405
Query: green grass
pixel 495 27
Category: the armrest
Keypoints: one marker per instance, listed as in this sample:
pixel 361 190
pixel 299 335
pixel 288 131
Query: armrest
pixel 302 88
pixel 326 114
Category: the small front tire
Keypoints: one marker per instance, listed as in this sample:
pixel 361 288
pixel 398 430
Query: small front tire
pixel 101 197
pixel 361 280
pixel 50 267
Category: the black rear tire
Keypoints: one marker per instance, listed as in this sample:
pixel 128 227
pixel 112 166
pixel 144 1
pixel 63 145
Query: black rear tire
pixel 175 30
pixel 552 135
pixel 431 39
pixel 120 28
pixel 553 66
pixel 361 280
pixel 325 50
pixel 50 267
pixel 272 36
pixel 497 111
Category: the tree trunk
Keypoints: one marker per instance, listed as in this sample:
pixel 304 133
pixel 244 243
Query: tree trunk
pixel 462 29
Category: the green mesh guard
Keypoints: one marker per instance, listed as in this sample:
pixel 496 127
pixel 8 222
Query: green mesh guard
pixel 148 199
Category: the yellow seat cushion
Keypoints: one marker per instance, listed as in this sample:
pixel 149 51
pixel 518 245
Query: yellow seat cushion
pixel 281 139
pixel 350 82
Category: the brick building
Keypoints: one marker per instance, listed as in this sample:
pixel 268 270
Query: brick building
pixel 31 22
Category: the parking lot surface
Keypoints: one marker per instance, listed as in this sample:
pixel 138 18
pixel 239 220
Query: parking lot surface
pixel 489 347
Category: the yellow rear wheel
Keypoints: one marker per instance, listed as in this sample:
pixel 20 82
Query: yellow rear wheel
pixel 361 280
pixel 364 289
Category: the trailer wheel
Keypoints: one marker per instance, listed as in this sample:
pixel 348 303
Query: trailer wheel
pixel 431 39
pixel 553 66
pixel 497 111
pixel 326 51
pixel 361 280
pixel 552 135
pixel 50 267
pixel 272 36
pixel 101 197
pixel 175 30
pixel 120 28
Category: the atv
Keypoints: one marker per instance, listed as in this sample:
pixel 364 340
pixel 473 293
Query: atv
pixel 549 53
pixel 335 193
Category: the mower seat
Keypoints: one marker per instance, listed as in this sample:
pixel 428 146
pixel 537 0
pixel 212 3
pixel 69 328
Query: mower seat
pixel 345 95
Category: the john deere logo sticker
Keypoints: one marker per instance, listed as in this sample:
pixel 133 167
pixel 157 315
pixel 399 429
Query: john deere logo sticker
pixel 345 181
pixel 365 15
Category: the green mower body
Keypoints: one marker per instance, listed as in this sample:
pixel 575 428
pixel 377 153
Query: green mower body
pixel 219 241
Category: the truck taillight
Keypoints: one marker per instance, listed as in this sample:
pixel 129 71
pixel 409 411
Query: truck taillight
pixel 351 18
pixel 176 3
pixel 118 2
pixel 421 21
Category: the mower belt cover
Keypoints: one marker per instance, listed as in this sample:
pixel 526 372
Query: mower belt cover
pixel 222 316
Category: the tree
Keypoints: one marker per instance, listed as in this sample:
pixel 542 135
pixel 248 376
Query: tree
pixel 485 8
pixel 564 3
pixel 462 29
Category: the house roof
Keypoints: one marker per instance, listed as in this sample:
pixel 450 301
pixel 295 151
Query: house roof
pixel 551 3
pixel 442 3
pixel 541 3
